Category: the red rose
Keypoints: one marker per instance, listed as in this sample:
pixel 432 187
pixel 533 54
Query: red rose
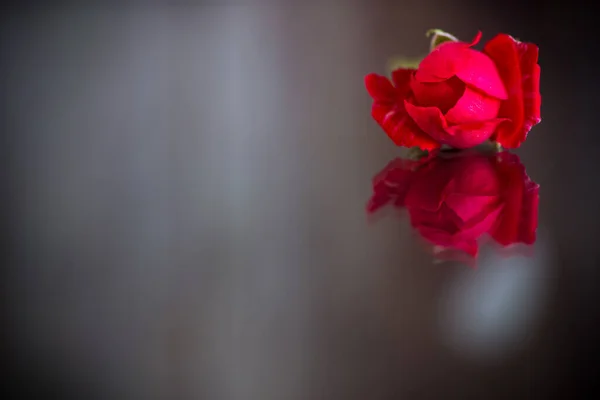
pixel 461 97
pixel 454 199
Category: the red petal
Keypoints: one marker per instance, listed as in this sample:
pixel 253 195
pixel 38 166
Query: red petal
pixel 389 112
pixel 471 66
pixel 474 175
pixel 517 65
pixel 532 100
pixel 481 226
pixel 400 127
pixel 473 106
pixel 380 88
pixel 443 95
pixel 476 39
pixel 433 122
pixel 429 119
pixel 469 246
pixel 467 207
pixel 471 134
pixel 392 183
pixel 435 221
pixel 480 72
pixel 519 220
pixel 401 78
pixel 473 190
pixel 427 191
pixel 439 229
pixel 443 61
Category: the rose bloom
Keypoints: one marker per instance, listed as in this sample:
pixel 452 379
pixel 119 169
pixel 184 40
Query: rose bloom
pixel 455 199
pixel 461 97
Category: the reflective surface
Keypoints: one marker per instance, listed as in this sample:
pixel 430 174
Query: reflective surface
pixel 454 198
pixel 186 212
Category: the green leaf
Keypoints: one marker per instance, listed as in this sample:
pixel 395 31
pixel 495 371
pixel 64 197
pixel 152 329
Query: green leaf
pixel 438 37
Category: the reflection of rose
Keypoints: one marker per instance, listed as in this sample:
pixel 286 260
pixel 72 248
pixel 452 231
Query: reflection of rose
pixel 453 199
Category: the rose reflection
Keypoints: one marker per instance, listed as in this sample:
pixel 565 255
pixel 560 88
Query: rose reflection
pixel 454 198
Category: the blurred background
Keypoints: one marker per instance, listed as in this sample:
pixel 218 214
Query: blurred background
pixel 185 218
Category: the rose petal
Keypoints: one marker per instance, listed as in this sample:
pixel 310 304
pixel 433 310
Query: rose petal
pixel 389 112
pixel 473 191
pixel 518 68
pixel 443 95
pixel 400 127
pixel 440 231
pixel 401 78
pixel 467 207
pixel 429 119
pixel 469 246
pixel 470 66
pixel 473 106
pixel 433 122
pixel 392 183
pixel 443 61
pixel 474 175
pixel 380 88
pixel 532 100
pixel 454 201
pixel 480 72
pixel 519 220
pixel 434 221
pixel 480 226
pixel 427 190
pixel 472 134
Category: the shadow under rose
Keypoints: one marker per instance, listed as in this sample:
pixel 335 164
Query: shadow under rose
pixel 457 200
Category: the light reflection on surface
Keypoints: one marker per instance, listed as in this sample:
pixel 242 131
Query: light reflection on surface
pixel 456 199
pixel 492 313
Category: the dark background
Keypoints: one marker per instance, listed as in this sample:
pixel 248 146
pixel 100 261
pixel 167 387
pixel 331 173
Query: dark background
pixel 185 209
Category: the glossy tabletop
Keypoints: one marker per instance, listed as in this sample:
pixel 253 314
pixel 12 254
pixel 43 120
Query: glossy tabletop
pixel 188 190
